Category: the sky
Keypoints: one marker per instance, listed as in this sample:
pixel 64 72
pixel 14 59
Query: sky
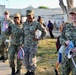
pixel 33 3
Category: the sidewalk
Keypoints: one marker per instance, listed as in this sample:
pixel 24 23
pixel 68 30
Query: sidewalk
pixel 6 70
pixel 56 33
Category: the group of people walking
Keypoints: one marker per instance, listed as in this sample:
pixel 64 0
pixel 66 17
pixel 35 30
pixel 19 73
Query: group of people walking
pixel 16 35
pixel 19 34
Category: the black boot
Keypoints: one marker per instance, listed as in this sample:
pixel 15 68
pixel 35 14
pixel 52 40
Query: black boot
pixel 56 72
pixel 2 58
pixel 5 59
pixel 13 71
pixel 27 73
pixel 32 73
pixel 17 72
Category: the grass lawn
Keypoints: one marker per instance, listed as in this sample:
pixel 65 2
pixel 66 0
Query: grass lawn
pixel 46 57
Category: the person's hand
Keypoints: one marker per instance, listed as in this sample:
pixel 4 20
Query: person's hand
pixel 20 46
pixel 67 42
pixel 35 39
pixel 74 49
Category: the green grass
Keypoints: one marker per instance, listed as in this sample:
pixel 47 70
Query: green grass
pixel 46 57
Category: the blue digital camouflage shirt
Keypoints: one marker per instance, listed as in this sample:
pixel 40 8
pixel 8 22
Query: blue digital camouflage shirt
pixel 29 32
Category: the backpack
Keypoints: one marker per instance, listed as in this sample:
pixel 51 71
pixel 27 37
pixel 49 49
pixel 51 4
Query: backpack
pixel 58 44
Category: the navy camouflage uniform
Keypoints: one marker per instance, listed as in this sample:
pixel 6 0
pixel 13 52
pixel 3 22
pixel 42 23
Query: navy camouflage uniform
pixel 5 45
pixel 30 46
pixel 68 33
pixel 14 44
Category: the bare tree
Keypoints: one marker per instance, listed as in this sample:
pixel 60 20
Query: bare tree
pixel 67 8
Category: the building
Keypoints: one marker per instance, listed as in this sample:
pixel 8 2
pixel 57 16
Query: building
pixel 55 15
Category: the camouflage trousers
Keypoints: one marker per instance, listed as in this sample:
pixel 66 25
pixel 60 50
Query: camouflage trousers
pixel 2 51
pixel 4 47
pixel 68 66
pixel 13 50
pixel 30 57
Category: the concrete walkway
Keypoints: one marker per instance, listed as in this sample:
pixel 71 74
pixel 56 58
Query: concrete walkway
pixel 56 33
pixel 6 70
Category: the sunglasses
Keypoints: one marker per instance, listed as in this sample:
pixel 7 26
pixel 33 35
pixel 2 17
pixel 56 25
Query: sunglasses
pixel 72 13
pixel 16 17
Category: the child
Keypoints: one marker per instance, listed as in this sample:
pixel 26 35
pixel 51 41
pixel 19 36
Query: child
pixel 62 48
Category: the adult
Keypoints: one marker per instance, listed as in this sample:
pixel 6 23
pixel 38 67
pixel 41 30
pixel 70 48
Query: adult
pixel 50 26
pixel 30 41
pixel 40 20
pixel 5 22
pixel 69 34
pixel 15 33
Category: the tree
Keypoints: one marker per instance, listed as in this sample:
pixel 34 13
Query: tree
pixel 66 9
pixel 43 7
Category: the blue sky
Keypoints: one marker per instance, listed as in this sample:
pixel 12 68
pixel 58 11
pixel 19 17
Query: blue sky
pixel 34 3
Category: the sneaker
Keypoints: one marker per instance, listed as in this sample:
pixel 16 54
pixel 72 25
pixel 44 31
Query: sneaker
pixel 17 72
pixel 56 72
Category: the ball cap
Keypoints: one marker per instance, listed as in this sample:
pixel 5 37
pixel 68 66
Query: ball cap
pixel 29 12
pixel 6 12
pixel 17 15
pixel 73 10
